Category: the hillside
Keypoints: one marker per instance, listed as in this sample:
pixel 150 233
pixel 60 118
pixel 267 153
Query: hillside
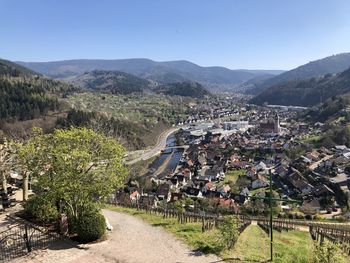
pixel 306 92
pixel 115 82
pixel 185 89
pixel 332 64
pixel 214 78
pixel 8 68
pixel 331 109
pixel 24 95
pixel 252 86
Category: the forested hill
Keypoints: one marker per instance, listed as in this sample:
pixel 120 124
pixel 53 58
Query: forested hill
pixel 8 68
pixel 24 98
pixel 306 92
pixel 116 82
pixel 25 95
pixel 329 65
pixel 186 89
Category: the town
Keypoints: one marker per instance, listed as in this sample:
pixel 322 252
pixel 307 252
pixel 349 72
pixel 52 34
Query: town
pixel 228 163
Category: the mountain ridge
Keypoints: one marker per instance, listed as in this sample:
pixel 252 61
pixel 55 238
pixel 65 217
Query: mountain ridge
pixel 214 78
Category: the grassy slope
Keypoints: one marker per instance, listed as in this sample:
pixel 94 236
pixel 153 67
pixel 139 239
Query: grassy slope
pixel 252 245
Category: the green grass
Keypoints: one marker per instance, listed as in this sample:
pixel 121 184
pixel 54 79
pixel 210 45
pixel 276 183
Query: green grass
pixel 311 139
pixel 253 244
pixel 232 176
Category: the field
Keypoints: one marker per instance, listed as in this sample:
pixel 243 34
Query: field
pixel 253 244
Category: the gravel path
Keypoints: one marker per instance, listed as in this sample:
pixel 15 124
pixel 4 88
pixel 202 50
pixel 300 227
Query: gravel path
pixel 131 241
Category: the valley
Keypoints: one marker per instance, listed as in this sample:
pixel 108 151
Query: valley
pixel 196 155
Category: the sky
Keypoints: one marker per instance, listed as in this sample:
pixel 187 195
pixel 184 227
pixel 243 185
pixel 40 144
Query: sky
pixel 250 34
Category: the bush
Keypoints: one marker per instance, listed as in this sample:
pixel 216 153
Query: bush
pixel 328 252
pixel 90 227
pixel 73 224
pixel 41 208
pixel 229 231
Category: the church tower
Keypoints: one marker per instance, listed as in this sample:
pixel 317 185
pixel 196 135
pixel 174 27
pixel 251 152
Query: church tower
pixel 277 124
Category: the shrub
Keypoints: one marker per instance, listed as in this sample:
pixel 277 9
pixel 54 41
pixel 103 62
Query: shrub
pixel 90 227
pixel 328 252
pixel 41 208
pixel 73 224
pixel 229 231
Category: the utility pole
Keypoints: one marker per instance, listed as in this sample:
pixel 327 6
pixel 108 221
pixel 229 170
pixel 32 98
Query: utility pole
pixel 271 228
pixel 270 199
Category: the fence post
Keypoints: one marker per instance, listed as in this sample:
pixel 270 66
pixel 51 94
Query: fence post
pixel 26 238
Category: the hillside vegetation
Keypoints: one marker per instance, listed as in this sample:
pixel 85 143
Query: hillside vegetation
pixel 185 89
pixel 306 92
pixel 116 82
pixel 25 98
pixel 329 65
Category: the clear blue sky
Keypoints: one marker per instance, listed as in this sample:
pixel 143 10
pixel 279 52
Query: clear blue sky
pixel 254 34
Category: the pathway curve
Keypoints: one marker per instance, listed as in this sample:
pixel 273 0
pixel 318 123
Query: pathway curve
pixel 131 241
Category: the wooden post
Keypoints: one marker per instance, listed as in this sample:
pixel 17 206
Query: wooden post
pixel 25 186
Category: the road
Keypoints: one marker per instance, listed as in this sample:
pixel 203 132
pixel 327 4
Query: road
pixel 160 145
pixel 131 241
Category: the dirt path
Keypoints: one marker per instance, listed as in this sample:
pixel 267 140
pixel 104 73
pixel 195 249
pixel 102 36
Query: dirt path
pixel 131 241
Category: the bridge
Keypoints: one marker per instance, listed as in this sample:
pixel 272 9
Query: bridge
pixel 185 147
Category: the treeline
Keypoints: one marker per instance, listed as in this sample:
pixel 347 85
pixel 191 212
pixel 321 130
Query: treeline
pixel 25 98
pixel 21 99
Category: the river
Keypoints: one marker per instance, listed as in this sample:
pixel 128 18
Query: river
pixel 169 157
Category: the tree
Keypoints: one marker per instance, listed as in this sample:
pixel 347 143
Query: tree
pixel 229 231
pixel 7 161
pixel 76 167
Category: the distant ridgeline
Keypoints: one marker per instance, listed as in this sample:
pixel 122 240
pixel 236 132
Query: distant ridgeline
pixel 26 95
pixel 118 82
pixel 215 79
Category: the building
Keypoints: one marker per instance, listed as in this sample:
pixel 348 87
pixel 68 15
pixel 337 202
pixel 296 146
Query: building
pixel 271 125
